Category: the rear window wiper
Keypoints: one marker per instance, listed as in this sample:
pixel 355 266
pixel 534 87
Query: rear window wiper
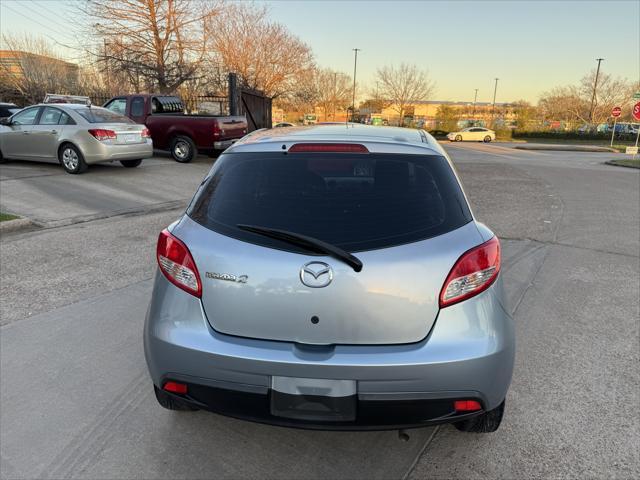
pixel 308 243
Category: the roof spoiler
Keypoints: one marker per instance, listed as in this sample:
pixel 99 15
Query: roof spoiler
pixel 57 98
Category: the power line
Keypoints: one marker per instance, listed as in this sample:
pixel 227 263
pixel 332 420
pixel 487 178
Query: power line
pixel 42 25
pixel 55 14
pixel 56 41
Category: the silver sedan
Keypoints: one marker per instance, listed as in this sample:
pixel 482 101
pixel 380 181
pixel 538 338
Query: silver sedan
pixel 74 136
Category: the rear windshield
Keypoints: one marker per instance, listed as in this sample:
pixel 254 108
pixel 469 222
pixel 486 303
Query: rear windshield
pixel 101 115
pixel 354 201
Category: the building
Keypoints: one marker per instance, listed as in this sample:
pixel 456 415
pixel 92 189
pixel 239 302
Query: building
pixel 15 63
pixel 426 112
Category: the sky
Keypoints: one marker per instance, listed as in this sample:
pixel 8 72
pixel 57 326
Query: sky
pixel 531 46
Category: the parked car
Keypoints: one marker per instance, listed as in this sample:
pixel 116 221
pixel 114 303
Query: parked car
pixel 472 134
pixel 332 277
pixel 171 129
pixel 74 135
pixel 8 109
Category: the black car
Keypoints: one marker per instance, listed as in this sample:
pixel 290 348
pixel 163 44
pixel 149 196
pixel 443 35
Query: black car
pixel 8 109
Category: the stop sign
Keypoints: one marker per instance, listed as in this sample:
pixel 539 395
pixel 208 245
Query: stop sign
pixel 616 112
pixel 636 111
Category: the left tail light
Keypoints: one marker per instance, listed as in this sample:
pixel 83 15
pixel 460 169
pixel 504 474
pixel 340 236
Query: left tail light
pixel 145 133
pixel 102 134
pixel 473 273
pixel 176 263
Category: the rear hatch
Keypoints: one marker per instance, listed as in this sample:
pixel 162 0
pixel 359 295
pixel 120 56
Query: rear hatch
pixel 232 127
pixel 403 216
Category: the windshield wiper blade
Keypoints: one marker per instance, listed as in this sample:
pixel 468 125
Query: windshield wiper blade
pixel 309 243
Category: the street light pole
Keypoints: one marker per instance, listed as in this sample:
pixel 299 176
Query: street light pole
pixel 595 84
pixel 493 109
pixel 355 66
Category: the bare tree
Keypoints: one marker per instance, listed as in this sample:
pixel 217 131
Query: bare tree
pixel 156 43
pixel 303 95
pixel 35 69
pixel 264 54
pixel 333 91
pixel 404 85
pixel 572 103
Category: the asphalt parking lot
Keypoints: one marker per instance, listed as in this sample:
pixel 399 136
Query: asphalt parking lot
pixel 76 401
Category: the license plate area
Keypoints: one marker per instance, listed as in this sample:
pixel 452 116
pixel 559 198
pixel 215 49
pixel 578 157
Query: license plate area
pixel 131 138
pixel 313 399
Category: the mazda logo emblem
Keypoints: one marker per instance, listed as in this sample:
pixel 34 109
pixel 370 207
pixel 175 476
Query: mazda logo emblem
pixel 316 274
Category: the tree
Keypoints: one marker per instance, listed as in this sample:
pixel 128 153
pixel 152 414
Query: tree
pixel 158 43
pixel 447 117
pixel 525 113
pixel 333 91
pixel 572 103
pixel 264 54
pixel 404 85
pixel 36 69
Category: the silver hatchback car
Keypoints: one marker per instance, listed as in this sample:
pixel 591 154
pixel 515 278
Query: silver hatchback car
pixel 332 277
pixel 73 135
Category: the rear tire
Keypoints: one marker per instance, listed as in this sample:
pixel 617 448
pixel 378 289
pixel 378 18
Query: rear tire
pixel 458 138
pixel 131 163
pixel 486 423
pixel 487 139
pixel 71 159
pixel 183 149
pixel 171 403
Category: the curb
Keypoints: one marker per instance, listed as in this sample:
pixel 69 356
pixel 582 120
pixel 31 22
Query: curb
pixel 566 148
pixel 613 164
pixel 16 224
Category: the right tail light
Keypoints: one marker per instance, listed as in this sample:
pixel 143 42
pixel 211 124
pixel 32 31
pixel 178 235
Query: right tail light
pixel 473 273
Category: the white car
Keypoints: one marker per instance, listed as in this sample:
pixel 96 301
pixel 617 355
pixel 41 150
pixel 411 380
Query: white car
pixel 473 134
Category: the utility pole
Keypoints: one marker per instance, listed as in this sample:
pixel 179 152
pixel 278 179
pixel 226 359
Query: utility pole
pixel 475 98
pixel 595 84
pixel 355 66
pixel 493 109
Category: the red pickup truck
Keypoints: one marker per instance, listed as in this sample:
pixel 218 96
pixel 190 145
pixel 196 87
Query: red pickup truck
pixel 171 129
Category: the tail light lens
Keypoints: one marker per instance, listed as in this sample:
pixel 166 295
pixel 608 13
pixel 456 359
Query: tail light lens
pixel 216 129
pixel 145 133
pixel 473 273
pixel 102 134
pixel 177 264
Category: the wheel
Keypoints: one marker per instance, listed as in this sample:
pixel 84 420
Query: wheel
pixel 71 159
pixel 183 149
pixel 458 138
pixel 171 403
pixel 131 163
pixel 486 423
pixel 487 139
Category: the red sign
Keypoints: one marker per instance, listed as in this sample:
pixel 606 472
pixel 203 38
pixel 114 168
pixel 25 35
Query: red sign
pixel 636 111
pixel 616 112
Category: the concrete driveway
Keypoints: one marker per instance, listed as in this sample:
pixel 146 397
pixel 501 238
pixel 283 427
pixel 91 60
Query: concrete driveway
pixel 77 403
pixel 51 197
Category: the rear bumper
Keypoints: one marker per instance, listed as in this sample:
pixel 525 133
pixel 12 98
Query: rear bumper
pixel 369 414
pixel 223 144
pixel 108 153
pixel 468 354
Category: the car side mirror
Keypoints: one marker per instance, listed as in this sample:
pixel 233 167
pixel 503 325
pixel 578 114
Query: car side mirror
pixel 5 121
